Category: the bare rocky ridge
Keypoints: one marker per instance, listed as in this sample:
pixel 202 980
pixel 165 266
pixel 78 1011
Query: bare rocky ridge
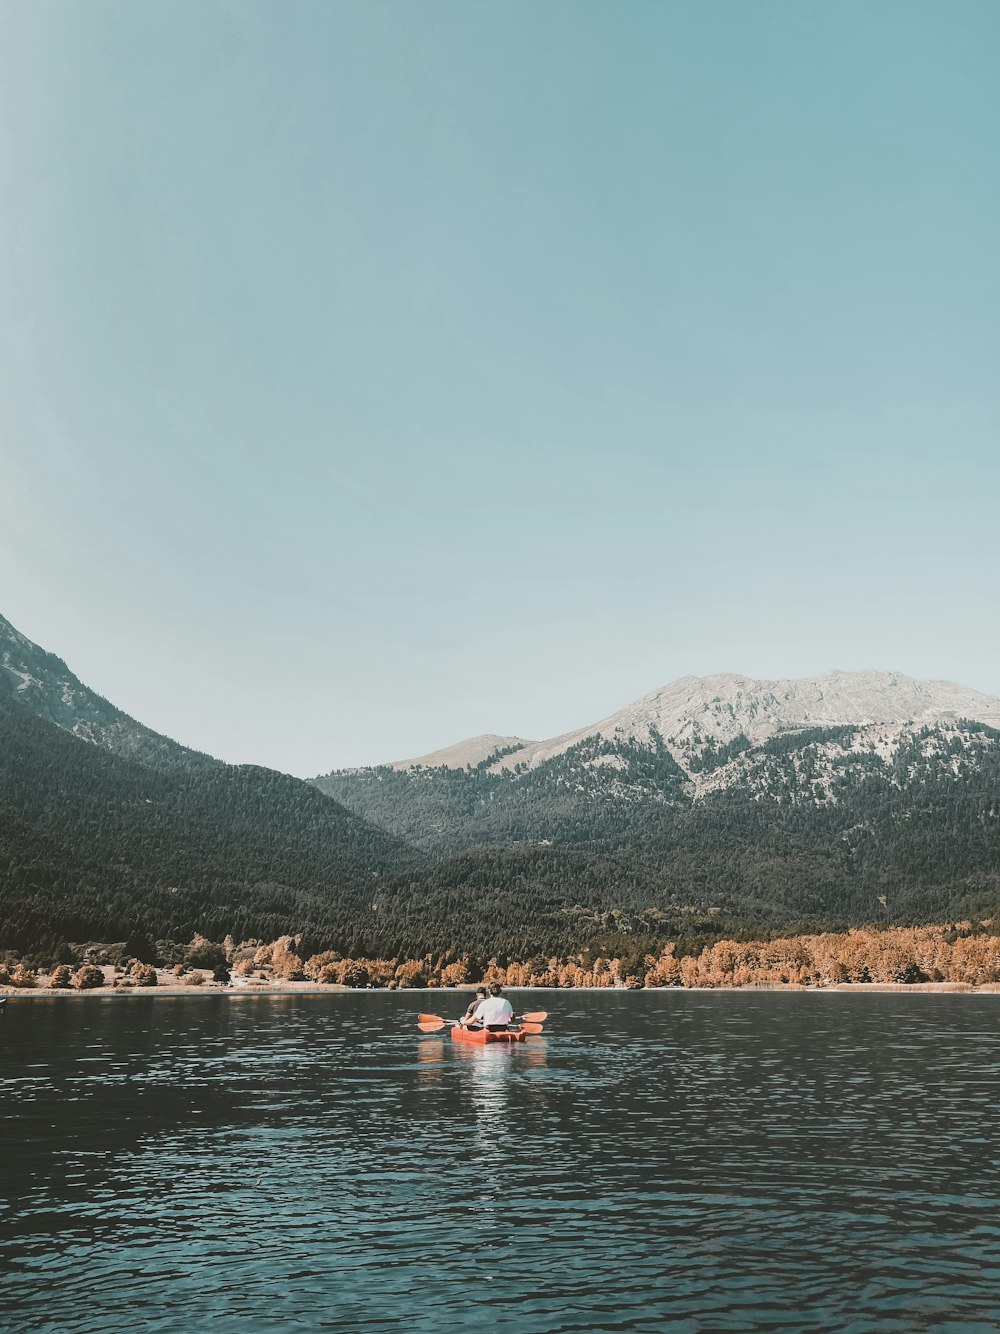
pixel 465 753
pixel 695 713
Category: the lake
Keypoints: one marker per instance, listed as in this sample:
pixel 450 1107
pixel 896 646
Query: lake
pixel 656 1161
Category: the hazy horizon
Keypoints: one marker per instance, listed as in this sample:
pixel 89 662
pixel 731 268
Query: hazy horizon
pixel 381 375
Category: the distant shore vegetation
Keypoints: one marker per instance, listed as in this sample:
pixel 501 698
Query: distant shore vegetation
pixel 959 952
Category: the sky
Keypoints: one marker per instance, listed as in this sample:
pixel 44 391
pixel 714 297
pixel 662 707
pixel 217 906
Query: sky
pixel 378 374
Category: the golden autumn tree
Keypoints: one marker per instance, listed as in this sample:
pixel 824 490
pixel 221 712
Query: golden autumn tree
pixel 455 974
pixel 285 963
pixel 411 973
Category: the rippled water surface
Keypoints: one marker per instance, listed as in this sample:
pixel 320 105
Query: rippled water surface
pixel 655 1161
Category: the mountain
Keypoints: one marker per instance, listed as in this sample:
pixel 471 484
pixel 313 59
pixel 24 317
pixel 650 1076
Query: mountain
pixel 716 806
pixel 108 829
pixel 696 716
pixel 677 746
pixel 45 685
pixel 847 798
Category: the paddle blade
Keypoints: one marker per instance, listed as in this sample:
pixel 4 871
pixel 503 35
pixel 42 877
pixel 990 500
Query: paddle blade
pixel 531 1028
pixel 536 1017
pixel 429 1019
pixel 431 1025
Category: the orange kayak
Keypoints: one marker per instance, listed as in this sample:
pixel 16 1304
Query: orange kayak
pixel 461 1034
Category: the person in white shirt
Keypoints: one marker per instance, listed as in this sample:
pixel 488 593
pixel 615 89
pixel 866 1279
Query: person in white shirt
pixel 496 1012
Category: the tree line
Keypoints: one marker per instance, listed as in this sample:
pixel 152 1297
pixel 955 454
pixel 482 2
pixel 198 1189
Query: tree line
pixel 963 952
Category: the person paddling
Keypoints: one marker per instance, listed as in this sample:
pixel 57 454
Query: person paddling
pixel 495 1012
pixel 469 1018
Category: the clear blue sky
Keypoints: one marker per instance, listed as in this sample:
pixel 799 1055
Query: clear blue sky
pixel 377 374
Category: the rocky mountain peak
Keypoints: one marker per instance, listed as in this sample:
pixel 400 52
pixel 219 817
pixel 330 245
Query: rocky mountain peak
pixel 696 711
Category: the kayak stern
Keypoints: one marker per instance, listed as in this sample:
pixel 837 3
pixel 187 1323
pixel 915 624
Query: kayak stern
pixel 483 1035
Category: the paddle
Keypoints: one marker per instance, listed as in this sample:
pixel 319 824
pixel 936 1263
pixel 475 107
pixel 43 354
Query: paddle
pixel 535 1017
pixel 433 1023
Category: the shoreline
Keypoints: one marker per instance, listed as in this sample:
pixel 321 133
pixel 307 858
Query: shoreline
pixel 42 992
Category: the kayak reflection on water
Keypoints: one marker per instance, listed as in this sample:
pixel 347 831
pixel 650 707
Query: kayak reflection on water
pixel 497 1057
pixel 430 1053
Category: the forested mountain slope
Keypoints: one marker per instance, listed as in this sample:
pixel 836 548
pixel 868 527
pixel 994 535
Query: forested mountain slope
pixel 908 842
pixel 595 792
pixel 107 828
pixel 96 846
